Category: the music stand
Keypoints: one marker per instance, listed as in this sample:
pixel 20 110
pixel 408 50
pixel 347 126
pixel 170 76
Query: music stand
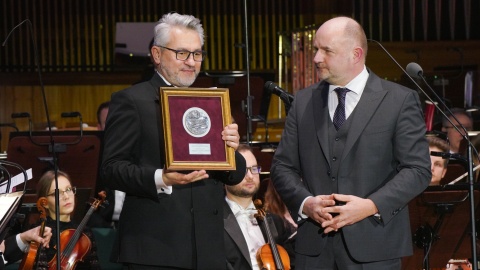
pixel 439 217
pixel 80 160
pixel 9 203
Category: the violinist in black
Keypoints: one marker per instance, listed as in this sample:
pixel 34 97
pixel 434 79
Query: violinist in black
pixel 86 252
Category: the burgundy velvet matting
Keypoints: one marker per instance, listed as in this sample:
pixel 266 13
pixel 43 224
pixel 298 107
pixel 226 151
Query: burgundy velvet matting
pixel 181 139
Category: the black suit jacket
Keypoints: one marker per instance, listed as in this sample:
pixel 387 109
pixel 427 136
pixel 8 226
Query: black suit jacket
pixel 385 159
pixel 178 230
pixel 12 253
pixel 238 257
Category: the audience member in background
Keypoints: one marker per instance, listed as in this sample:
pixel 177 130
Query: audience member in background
pixel 275 205
pixel 244 233
pixel 13 248
pixel 102 113
pixel 454 137
pixel 439 164
pixel 46 188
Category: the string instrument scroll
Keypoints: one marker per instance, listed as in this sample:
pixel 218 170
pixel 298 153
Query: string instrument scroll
pixel 30 257
pixel 270 256
pixel 74 243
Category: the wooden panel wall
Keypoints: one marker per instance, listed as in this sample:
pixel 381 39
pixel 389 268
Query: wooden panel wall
pixel 60 98
pixel 79 35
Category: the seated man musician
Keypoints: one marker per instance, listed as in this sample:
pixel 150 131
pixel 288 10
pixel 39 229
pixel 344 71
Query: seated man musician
pixel 244 234
pixel 439 164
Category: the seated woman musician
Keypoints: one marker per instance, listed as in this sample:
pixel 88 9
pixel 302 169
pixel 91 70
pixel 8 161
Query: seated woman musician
pixel 275 205
pixel 46 188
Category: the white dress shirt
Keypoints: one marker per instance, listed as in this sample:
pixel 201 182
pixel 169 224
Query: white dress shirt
pixel 355 86
pixel 250 229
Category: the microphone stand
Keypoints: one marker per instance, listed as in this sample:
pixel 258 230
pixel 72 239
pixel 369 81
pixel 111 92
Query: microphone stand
pixel 11 214
pixel 287 103
pixel 247 63
pixel 469 150
pixel 52 142
pixel 471 183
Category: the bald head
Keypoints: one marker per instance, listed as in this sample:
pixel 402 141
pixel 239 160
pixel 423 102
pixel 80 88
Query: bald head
pixel 349 31
pixel 341 50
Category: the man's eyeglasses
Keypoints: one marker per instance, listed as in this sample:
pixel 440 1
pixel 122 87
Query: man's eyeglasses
pixel 70 191
pixel 254 169
pixel 183 55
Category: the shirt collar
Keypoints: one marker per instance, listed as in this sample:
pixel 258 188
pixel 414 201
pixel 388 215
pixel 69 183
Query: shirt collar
pixel 169 84
pixel 357 84
pixel 237 209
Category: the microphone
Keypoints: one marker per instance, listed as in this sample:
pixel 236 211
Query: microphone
pixel 275 89
pixel 415 70
pixel 446 155
pixel 70 114
pixel 12 125
pixel 21 115
pixel 406 73
pixel 7 125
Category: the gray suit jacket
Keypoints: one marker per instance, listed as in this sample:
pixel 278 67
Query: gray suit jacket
pixel 385 159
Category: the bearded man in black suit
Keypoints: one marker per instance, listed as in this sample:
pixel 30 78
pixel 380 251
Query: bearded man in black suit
pixel 169 220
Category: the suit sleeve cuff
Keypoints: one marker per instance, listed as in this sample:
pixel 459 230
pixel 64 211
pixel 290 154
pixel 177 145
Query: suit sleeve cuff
pixel 301 215
pixel 161 187
pixel 22 246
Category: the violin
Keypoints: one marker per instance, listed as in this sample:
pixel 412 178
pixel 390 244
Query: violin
pixel 29 258
pixel 74 243
pixel 270 256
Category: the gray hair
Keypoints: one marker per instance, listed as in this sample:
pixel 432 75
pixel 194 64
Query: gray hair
pixel 171 20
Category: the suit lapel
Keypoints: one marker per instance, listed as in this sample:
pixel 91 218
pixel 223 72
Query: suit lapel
pixel 233 229
pixel 372 96
pixel 156 81
pixel 321 115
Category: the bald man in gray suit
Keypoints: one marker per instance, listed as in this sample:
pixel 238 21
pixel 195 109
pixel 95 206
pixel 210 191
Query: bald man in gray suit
pixel 348 183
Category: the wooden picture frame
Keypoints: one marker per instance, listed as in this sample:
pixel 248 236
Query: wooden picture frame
pixel 193 120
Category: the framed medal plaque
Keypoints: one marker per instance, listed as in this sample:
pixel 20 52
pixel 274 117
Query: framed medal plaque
pixel 193 121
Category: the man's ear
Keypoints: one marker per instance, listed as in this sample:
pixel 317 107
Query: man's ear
pixel 357 54
pixel 156 53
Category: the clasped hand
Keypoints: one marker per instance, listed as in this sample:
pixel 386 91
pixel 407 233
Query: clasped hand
pixel 325 210
pixel 231 137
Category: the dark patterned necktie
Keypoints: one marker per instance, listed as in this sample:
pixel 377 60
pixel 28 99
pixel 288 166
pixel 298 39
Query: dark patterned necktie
pixel 339 116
